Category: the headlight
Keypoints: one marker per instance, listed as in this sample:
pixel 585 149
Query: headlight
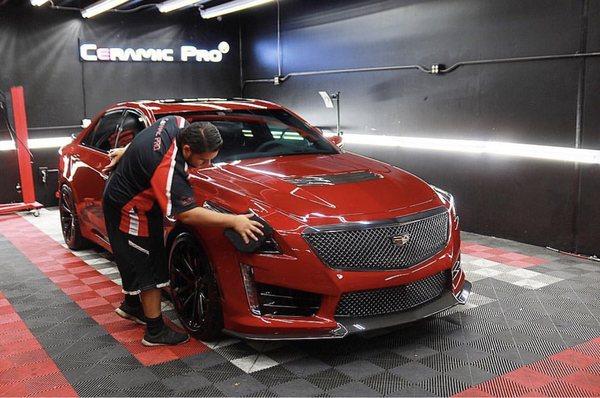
pixel 445 197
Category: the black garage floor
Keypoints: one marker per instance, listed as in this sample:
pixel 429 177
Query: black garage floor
pixel 531 328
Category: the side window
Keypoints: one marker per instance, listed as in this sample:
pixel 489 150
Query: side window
pixel 131 125
pixel 104 134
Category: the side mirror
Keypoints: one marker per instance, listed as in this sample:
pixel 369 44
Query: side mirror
pixel 336 140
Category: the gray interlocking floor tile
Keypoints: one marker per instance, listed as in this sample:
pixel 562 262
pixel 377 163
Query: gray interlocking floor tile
pixel 296 388
pixel 354 389
pixel 414 372
pixel 186 382
pixel 306 366
pixel 471 375
pixel 359 369
pixel 240 385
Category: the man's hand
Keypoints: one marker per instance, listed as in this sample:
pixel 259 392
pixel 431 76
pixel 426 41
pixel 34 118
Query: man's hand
pixel 242 224
pixel 247 228
pixel 115 156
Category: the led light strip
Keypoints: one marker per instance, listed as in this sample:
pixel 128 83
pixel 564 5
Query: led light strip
pixel 37 143
pixel 478 147
pixel 544 152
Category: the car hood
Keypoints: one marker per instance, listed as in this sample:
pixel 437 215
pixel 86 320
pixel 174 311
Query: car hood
pixel 321 185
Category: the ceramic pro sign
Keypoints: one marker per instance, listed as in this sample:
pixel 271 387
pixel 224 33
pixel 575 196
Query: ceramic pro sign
pixel 91 52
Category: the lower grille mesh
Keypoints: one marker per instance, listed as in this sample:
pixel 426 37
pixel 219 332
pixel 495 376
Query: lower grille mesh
pixel 393 299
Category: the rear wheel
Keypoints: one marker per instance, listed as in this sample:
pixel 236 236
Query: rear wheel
pixel 194 288
pixel 69 221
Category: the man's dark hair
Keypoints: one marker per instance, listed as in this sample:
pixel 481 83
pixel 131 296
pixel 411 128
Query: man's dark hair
pixel 201 137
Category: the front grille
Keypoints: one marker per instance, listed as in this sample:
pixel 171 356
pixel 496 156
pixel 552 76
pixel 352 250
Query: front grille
pixel 277 300
pixel 393 299
pixel 372 247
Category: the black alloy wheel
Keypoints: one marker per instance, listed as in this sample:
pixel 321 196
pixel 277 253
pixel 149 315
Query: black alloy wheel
pixel 69 221
pixel 194 290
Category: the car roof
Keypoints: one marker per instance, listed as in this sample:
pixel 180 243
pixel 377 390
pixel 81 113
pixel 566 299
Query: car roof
pixel 170 106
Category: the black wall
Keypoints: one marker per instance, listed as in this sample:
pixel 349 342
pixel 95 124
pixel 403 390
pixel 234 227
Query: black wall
pixel 541 202
pixel 538 102
pixel 39 49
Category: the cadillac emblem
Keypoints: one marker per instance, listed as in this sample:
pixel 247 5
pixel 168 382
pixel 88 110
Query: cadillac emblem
pixel 401 240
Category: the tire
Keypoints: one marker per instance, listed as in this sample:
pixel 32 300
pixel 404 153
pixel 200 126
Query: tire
pixel 69 221
pixel 194 289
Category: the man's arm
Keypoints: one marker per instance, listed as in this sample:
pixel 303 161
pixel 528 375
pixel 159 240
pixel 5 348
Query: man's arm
pixel 114 155
pixel 242 224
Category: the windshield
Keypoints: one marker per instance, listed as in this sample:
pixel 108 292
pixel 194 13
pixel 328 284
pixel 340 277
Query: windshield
pixel 260 133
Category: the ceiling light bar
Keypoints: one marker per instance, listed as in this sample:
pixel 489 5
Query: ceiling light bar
pixel 100 7
pixel 229 7
pixel 172 5
pixel 544 152
pixel 38 3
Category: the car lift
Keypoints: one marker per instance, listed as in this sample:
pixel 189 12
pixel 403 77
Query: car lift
pixel 24 156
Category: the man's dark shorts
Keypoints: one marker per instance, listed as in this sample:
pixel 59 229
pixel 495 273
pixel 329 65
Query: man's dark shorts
pixel 141 261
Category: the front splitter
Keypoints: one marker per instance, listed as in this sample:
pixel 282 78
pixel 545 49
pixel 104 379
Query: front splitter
pixel 348 326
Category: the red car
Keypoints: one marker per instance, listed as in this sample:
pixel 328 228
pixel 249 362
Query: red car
pixel 357 244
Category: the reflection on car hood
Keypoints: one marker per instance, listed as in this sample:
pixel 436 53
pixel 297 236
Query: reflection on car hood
pixel 321 185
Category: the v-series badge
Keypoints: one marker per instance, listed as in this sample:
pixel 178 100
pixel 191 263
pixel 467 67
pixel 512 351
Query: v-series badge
pixel 92 53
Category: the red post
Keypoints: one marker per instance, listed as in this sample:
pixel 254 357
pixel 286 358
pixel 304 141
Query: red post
pixel 24 157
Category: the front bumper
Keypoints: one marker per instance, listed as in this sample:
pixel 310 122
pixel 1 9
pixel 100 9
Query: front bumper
pixel 347 326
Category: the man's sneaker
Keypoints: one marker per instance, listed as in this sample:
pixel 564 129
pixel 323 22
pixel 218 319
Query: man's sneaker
pixel 135 314
pixel 166 336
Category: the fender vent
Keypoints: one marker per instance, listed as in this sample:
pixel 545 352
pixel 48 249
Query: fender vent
pixel 281 301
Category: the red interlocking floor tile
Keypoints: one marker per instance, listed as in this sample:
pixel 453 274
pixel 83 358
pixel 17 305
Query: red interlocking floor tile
pixel 149 357
pixel 95 293
pixel 77 289
pixel 570 373
pixel 57 391
pixel 553 368
pixel 591 348
pixel 109 291
pixel 529 378
pixel 575 358
pixel 561 388
pixel 24 362
pixel 501 256
pixel 585 380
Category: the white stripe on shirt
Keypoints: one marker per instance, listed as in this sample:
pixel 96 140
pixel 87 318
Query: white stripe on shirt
pixel 134 223
pixel 170 179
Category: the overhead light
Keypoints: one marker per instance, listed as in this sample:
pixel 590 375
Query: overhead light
pixel 38 3
pixel 231 6
pixel 545 152
pixel 100 7
pixel 171 5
